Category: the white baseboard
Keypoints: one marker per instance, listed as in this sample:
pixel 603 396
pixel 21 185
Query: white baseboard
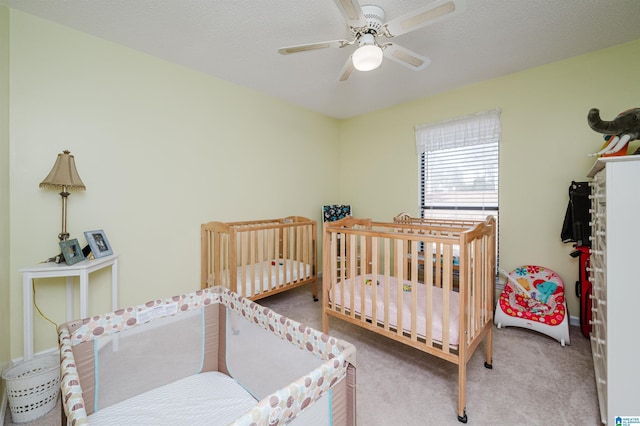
pixel 574 321
pixel 45 352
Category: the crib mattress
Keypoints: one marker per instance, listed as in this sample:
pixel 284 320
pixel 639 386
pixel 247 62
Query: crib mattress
pixel 379 287
pixel 206 398
pixel 269 274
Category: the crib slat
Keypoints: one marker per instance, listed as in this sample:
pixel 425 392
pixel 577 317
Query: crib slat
pixel 429 258
pixel 270 243
pixel 222 243
pixel 387 282
pixel 285 255
pixel 374 277
pixel 350 254
pixel 414 290
pixel 354 255
pixel 343 270
pixel 397 244
pixel 477 287
pixel 437 265
pixel 247 270
pixel 447 280
pixel 300 250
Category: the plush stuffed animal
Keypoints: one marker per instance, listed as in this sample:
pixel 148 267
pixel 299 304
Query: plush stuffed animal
pixel 619 132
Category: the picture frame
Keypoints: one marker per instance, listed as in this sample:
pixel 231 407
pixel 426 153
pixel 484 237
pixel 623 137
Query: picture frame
pixel 99 243
pixel 71 251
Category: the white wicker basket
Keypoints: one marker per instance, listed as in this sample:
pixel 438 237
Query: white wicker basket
pixel 32 387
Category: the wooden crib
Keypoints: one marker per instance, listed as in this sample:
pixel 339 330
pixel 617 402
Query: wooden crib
pixel 371 278
pixel 259 258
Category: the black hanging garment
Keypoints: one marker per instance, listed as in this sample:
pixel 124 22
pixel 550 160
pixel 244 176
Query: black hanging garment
pixel 576 226
pixel 577 229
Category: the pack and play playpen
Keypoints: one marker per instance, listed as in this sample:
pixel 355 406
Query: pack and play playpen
pixel 208 357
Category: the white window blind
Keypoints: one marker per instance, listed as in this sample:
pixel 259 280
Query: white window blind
pixel 459 166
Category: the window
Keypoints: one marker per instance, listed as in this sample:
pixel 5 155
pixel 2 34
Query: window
pixel 459 167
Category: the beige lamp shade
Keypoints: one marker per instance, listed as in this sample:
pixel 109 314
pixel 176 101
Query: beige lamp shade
pixel 63 174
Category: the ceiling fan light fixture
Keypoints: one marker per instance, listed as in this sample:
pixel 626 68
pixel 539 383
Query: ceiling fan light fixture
pixel 368 56
pixel 368 22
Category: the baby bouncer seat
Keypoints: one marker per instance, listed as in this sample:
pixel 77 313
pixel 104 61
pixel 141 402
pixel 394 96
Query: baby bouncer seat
pixel 533 298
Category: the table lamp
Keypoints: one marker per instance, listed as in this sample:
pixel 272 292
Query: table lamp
pixel 63 176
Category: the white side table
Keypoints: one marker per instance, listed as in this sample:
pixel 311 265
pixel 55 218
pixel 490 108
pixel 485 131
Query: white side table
pixel 53 270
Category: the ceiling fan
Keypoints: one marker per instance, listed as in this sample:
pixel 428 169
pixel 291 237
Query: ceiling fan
pixel 367 25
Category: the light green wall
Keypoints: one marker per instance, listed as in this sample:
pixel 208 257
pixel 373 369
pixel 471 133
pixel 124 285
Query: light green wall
pixel 4 193
pixel 545 145
pixel 163 149
pixel 160 148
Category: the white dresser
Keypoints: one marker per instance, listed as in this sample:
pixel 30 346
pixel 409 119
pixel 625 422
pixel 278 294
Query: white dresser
pixel 615 276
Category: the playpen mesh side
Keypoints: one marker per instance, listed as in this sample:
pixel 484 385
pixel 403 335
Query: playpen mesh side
pixel 262 362
pixel 150 356
pixel 293 369
pixel 153 354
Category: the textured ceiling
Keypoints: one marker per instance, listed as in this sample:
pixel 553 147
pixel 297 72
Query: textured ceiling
pixel 238 41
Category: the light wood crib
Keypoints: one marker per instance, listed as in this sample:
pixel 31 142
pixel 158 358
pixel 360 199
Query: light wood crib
pixel 207 357
pixel 260 258
pixel 372 278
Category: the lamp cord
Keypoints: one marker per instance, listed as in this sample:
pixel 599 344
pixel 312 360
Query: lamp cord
pixel 33 286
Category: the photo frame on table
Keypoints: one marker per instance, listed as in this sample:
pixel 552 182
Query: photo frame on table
pixel 99 243
pixel 71 251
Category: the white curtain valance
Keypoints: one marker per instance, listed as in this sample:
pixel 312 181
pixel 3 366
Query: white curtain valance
pixel 473 129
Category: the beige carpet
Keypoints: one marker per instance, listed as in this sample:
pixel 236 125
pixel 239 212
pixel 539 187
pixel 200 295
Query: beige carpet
pixel 534 381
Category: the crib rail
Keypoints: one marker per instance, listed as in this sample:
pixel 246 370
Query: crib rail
pixel 460 224
pixel 267 256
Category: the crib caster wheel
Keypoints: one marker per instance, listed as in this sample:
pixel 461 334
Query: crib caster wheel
pixel 463 419
pixel 487 365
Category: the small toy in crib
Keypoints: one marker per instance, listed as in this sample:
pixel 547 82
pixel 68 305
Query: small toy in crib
pixel 273 262
pixel 406 287
pixel 369 281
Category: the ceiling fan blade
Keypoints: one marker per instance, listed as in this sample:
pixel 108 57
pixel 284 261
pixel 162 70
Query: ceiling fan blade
pixel 352 12
pixel 313 46
pixel 423 16
pixel 405 57
pixel 347 69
